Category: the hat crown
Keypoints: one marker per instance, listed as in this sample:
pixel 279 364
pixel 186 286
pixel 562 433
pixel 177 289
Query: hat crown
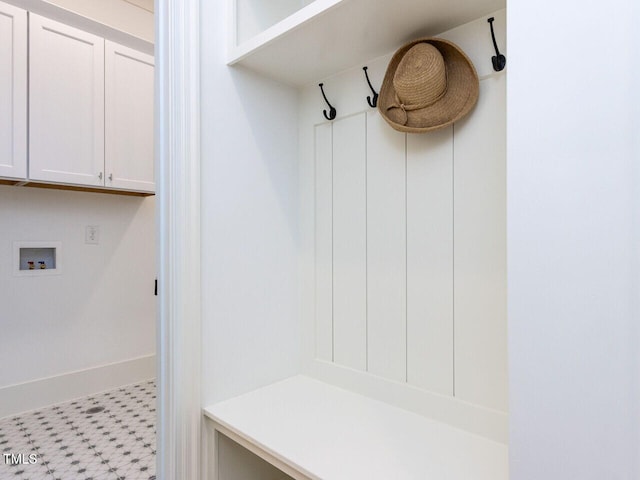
pixel 421 77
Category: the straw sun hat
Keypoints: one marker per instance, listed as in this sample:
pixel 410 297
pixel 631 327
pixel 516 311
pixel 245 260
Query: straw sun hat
pixel 430 83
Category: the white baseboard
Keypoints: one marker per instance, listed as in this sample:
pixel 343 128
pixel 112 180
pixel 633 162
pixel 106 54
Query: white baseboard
pixel 68 386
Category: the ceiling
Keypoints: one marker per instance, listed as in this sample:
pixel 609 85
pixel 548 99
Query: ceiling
pixel 144 4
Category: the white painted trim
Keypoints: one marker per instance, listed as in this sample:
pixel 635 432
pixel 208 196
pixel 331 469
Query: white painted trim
pixel 178 214
pixel 42 392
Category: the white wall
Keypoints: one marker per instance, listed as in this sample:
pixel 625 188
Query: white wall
pixel 101 309
pixel 573 240
pixel 251 328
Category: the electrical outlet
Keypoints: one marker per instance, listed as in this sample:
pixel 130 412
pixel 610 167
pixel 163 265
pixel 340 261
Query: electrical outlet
pixel 92 235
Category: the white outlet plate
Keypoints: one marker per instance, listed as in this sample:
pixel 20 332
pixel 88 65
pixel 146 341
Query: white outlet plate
pixel 92 235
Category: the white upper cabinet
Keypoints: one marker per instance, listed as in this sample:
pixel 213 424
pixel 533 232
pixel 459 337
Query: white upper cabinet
pixel 91 110
pixel 66 74
pixel 129 78
pixel 13 91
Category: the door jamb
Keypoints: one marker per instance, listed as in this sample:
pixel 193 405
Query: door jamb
pixel 177 133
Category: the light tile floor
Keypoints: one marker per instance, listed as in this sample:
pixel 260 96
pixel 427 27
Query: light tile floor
pixel 107 436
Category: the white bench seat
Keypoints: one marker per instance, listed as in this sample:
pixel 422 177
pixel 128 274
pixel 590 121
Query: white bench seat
pixel 313 430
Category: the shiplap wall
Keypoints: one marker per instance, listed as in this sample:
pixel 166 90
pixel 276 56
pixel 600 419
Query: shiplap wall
pixel 410 248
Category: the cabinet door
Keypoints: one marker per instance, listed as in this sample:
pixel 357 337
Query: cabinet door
pixel 129 118
pixel 13 91
pixel 66 106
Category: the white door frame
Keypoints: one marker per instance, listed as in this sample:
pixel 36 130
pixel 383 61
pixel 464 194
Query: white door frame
pixel 178 218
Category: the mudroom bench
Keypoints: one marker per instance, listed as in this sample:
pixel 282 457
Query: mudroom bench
pixel 308 429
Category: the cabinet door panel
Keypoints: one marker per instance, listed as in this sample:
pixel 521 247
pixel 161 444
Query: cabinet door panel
pixel 13 91
pixel 129 118
pixel 66 74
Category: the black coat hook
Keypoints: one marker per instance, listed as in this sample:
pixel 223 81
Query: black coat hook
pixel 332 111
pixel 499 61
pixel 373 103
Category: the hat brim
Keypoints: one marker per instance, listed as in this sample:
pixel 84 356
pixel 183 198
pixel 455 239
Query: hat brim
pixel 461 95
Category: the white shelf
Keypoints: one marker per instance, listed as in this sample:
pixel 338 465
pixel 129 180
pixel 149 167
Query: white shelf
pixel 324 432
pixel 328 36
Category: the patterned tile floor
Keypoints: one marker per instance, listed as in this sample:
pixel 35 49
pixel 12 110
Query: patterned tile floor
pixel 107 436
